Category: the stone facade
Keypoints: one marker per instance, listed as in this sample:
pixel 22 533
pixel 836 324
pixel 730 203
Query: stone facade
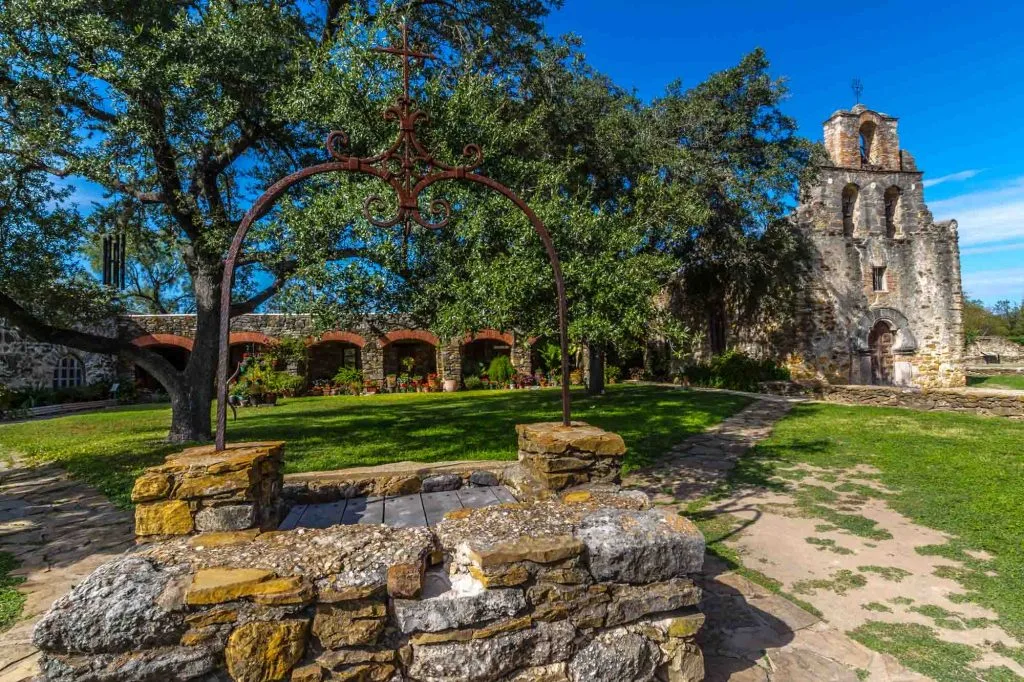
pixel 25 363
pixel 883 301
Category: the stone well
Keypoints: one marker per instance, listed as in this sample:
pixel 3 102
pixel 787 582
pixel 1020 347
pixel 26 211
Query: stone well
pixel 586 585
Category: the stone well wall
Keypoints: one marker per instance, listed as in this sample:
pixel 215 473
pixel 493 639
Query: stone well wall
pixel 591 587
pixel 199 490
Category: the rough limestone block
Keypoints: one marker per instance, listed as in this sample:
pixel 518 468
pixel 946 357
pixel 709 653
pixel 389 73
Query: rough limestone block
pixel 219 585
pixel 494 657
pixel 616 656
pixel 641 546
pixel 225 518
pixel 165 663
pixel 124 605
pixel 464 604
pixel 151 486
pixel 434 484
pixel 265 651
pixel 552 438
pixel 163 518
pixel 631 602
pixel 483 478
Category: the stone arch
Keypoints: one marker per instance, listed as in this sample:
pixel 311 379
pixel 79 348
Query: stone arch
pixel 897 321
pixel 163 340
pixel 336 335
pixel 850 204
pixel 410 335
pixel 251 337
pixel 490 335
pixel 866 135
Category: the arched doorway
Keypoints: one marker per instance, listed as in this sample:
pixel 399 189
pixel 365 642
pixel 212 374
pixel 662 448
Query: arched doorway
pixel 411 352
pixel 175 349
pixel 880 347
pixel 327 357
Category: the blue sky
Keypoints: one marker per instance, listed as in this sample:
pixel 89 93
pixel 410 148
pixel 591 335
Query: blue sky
pixel 951 72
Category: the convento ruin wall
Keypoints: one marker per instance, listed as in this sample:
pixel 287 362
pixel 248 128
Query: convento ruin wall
pixel 883 303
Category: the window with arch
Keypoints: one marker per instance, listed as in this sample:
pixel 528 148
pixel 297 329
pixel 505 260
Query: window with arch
pixel 850 193
pixel 892 211
pixel 867 139
pixel 69 372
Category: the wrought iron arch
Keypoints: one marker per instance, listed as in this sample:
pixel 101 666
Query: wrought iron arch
pixel 408 184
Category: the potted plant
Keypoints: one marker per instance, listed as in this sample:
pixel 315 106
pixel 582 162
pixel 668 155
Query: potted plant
pixel 576 377
pixel 391 382
pixel 612 374
pixel 418 382
pixel 501 372
pixel 433 382
pixel 369 387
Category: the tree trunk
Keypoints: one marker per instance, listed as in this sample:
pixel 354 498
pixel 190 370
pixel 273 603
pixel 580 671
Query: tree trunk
pixel 595 382
pixel 191 403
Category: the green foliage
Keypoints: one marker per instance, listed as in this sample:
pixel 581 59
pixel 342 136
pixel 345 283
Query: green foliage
pixel 37 397
pixel 734 370
pixel 349 377
pixel 550 357
pixel 11 601
pixel 501 371
pixel 473 383
pixel 612 374
pixel 286 351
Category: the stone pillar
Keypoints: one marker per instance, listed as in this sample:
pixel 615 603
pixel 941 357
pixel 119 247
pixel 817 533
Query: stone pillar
pixel 553 457
pixel 372 358
pixel 449 363
pixel 201 490
pixel 521 358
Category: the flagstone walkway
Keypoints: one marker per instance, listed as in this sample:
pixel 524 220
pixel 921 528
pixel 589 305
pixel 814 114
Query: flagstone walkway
pixel 59 530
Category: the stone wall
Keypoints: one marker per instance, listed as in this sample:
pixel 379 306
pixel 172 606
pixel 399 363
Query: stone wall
pixel 1006 350
pixel 594 587
pixel 25 363
pixel 921 299
pixel 995 370
pixel 986 402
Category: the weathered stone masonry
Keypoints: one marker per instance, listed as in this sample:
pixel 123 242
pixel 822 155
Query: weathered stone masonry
pixel 883 303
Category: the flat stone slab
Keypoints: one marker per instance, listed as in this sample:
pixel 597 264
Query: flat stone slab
pixel 401 511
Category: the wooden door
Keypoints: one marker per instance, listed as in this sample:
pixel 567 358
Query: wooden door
pixel 880 342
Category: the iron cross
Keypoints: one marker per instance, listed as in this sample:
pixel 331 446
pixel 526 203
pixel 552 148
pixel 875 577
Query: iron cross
pixel 406 53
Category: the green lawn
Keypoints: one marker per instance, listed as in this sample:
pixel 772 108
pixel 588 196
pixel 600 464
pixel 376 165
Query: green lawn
pixel 1013 383
pixel 110 449
pixel 957 473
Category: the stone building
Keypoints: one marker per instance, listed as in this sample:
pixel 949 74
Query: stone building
pixel 883 301
pixel 377 348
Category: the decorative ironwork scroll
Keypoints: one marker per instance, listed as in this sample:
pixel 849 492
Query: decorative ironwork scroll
pixel 409 169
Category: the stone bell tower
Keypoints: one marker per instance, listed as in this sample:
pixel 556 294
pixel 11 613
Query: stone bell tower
pixel 883 301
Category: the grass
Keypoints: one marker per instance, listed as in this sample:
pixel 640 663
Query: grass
pixel 917 647
pixel 1006 383
pixel 110 449
pixel 960 474
pixel 11 600
pixel 842 581
pixel 890 573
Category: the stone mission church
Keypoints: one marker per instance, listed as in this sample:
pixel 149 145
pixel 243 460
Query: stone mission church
pixel 882 305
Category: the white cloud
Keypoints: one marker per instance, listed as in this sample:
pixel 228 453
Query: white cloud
pixel 952 177
pixel 991 248
pixel 992 285
pixel 987 216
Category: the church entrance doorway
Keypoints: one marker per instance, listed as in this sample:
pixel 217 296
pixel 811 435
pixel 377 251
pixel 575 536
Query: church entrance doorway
pixel 880 342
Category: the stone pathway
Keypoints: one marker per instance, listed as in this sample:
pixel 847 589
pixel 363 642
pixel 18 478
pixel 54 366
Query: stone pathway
pixel 751 634
pixel 401 511
pixel 59 530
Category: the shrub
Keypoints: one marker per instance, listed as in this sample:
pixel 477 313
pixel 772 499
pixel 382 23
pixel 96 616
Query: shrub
pixel 473 383
pixel 612 374
pixel 501 370
pixel 734 370
pixel 576 377
pixel 637 373
pixel 347 376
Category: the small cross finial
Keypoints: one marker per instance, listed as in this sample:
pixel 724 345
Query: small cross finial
pixel 858 90
pixel 407 54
